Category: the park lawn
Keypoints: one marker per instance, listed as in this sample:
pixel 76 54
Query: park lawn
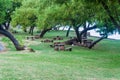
pixel 100 63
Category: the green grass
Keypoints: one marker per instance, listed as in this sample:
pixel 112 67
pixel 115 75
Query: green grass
pixel 100 63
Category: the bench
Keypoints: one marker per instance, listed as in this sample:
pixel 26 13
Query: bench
pixel 59 46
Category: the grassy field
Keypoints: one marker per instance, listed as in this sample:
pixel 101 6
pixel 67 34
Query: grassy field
pixel 100 63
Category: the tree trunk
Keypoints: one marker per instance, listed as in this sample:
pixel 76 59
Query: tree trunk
pixel 68 31
pixel 77 33
pixel 85 34
pixel 12 38
pixel 95 42
pixel 84 31
pixel 43 32
pixel 31 30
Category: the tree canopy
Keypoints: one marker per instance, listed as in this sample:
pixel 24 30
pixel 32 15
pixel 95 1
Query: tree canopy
pixel 46 14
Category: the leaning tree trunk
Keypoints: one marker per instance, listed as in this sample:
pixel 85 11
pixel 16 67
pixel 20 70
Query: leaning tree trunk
pixel 95 42
pixel 43 32
pixel 68 31
pixel 84 31
pixel 12 38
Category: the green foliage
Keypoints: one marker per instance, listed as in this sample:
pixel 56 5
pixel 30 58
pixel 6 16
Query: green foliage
pixel 48 13
pixel 24 16
pixel 5 5
pixel 50 17
pixel 105 9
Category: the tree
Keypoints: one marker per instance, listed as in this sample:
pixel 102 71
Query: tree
pixel 31 11
pixel 13 4
pixel 29 19
pixel 75 13
pixel 82 11
pixel 106 15
pixel 49 18
pixel 38 14
pixel 28 9
pixel 5 5
pixel 110 7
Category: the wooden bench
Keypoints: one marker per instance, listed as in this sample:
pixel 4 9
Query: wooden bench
pixel 59 46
